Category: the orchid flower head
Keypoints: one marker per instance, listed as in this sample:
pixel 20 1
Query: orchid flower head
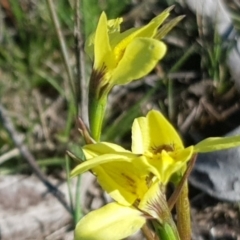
pixel 121 57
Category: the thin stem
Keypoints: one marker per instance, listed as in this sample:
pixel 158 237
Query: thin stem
pixel 81 83
pixel 147 232
pixel 77 212
pixel 69 184
pixel 173 199
pixel 97 109
pixel 183 214
pixel 61 42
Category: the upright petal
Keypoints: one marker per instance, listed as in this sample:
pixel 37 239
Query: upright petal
pixel 140 136
pixel 139 58
pixel 102 50
pixel 161 132
pixel 113 222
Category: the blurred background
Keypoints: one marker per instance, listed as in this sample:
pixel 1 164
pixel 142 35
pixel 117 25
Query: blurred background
pixel 196 86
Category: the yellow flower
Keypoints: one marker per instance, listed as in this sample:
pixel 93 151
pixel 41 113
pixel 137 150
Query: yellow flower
pixel 121 57
pixel 157 152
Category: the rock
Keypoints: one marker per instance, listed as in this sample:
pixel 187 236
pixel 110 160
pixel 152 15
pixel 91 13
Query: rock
pixel 218 173
pixel 28 211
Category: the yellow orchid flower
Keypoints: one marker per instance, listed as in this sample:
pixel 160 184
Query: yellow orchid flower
pixel 157 152
pixel 121 57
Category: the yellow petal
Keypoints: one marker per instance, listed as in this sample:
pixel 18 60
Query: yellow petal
pixel 162 166
pixel 215 144
pixel 113 26
pixel 140 136
pixel 147 31
pixel 97 161
pixel 116 37
pixel 183 155
pixel 139 58
pixel 94 150
pixel 102 50
pixel 161 132
pixel 124 182
pixel 111 222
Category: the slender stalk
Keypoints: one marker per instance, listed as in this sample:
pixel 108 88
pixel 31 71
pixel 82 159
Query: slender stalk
pixel 61 42
pixel 180 185
pixel 81 90
pixel 96 115
pixel 147 232
pixel 80 82
pixel 77 212
pixel 69 184
pixel 183 214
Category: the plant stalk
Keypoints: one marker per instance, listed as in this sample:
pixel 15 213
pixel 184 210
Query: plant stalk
pixel 96 115
pixel 183 214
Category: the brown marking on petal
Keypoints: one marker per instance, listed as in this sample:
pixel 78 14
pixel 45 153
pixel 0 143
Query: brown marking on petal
pixel 103 89
pixel 167 148
pixel 96 78
pixel 131 182
pixel 148 179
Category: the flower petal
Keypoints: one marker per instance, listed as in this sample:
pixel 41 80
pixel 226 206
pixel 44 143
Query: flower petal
pixel 140 135
pixel 139 58
pixel 216 144
pixel 97 161
pixel 94 150
pixel 124 182
pixel 102 50
pixel 112 221
pixel 161 132
pixel 147 31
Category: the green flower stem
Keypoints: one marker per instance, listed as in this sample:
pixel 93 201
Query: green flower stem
pixel 183 214
pixel 96 115
pixel 167 230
